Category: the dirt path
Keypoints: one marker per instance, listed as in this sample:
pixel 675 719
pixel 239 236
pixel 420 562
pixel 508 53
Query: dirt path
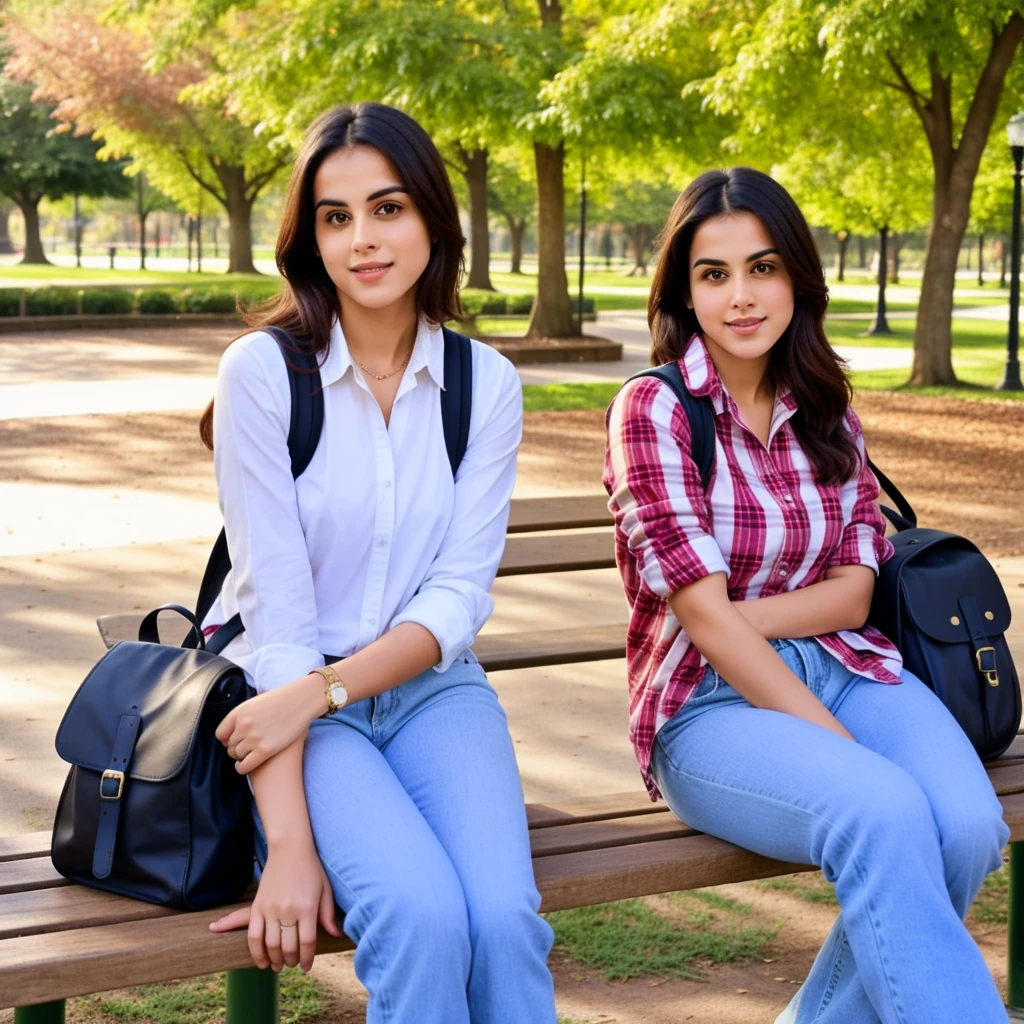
pixel 960 463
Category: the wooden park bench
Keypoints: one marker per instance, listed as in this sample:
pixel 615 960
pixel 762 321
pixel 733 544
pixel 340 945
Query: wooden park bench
pixel 59 940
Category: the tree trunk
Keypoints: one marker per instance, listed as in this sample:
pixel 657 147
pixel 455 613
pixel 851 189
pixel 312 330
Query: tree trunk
pixel 841 256
pixel 981 260
pixel 6 245
pixel 239 208
pixel 1002 265
pixel 475 173
pixel 33 241
pixel 881 323
pixel 551 316
pixel 933 336
pixel 956 165
pixel 516 228
pixel 638 236
pixel 897 245
pixel 862 250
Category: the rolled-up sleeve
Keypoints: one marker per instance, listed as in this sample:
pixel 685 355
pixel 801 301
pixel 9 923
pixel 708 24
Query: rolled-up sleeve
pixel 863 540
pixel 271 570
pixel 656 494
pixel 453 601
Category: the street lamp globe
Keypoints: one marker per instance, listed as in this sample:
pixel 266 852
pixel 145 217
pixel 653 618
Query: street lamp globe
pixel 1015 130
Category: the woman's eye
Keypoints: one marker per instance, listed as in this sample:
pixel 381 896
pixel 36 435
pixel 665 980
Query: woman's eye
pixel 388 208
pixel 335 217
pixel 714 275
pixel 763 268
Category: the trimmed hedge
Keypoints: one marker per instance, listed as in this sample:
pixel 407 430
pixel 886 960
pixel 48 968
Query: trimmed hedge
pixel 476 302
pixel 215 298
pixel 10 301
pixel 157 300
pixel 107 300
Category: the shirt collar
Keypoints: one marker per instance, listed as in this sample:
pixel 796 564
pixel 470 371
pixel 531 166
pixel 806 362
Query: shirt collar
pixel 702 379
pixel 427 354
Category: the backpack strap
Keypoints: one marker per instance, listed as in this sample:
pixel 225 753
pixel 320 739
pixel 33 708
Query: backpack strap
pixel 304 428
pixel 906 519
pixel 698 412
pixel 456 395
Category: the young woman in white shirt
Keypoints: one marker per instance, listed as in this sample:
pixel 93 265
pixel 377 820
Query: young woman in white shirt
pixel 403 806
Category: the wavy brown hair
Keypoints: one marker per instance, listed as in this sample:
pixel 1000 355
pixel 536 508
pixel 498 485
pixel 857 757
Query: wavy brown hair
pixel 802 359
pixel 308 303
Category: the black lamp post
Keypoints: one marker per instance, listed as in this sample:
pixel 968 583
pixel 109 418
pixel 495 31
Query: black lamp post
pixel 1011 379
pixel 583 234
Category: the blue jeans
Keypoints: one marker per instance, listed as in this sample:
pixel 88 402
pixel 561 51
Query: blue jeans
pixel 904 822
pixel 418 817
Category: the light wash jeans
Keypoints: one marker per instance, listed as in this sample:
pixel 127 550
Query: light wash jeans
pixel 418 816
pixel 904 822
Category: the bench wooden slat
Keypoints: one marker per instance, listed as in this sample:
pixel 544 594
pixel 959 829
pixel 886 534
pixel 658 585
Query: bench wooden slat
pixel 558 553
pixel 31 844
pixel 41 968
pixel 32 873
pixel 69 907
pixel 612 832
pixel 501 651
pixel 564 512
pixel 591 808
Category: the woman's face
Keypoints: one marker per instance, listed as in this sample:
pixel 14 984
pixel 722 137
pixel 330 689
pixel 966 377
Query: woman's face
pixel 372 239
pixel 740 291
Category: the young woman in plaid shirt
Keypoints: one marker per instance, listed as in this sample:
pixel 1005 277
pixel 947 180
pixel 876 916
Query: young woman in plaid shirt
pixel 762 707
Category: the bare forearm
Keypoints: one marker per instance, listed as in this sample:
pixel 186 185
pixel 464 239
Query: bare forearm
pixel 281 797
pixel 736 650
pixel 825 607
pixel 399 655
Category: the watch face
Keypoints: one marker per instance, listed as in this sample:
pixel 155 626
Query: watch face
pixel 338 694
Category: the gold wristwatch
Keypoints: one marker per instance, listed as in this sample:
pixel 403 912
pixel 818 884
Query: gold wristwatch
pixel 335 691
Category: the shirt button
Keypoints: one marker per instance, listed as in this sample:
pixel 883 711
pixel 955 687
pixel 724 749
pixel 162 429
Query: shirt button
pixel 387 483
pixel 789 498
pixel 372 622
pixel 382 542
pixel 783 572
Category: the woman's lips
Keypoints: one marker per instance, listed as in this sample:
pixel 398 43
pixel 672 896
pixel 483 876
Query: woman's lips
pixel 374 273
pixel 745 326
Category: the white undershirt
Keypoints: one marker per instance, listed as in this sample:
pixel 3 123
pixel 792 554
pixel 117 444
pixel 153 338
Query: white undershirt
pixel 375 532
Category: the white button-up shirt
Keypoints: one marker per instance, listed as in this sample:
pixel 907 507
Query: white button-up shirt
pixel 375 532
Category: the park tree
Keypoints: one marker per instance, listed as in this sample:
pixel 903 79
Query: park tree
pixel 98 72
pixel 38 160
pixel 946 64
pixel 513 195
pixel 992 204
pixel 471 71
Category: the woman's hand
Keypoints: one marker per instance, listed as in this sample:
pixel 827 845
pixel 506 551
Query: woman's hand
pixel 293 895
pixel 264 725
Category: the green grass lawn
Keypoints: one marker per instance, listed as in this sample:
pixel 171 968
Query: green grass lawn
pixel 20 276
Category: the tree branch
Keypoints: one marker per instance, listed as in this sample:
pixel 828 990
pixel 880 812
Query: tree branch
pixel 258 183
pixel 917 100
pixel 183 156
pixel 985 100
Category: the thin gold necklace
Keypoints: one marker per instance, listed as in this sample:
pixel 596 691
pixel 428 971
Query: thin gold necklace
pixel 384 376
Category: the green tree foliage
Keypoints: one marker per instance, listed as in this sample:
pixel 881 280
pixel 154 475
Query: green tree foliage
pixel 946 64
pixel 38 160
pixel 175 123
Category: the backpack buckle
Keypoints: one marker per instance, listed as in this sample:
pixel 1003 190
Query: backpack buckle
pixel 111 784
pixel 987 665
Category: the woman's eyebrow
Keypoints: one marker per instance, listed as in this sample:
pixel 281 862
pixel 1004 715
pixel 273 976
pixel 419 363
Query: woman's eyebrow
pixel 753 258
pixel 370 198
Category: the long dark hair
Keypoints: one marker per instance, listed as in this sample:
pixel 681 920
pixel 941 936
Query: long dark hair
pixel 802 359
pixel 308 303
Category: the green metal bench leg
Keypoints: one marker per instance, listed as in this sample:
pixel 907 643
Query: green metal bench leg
pixel 1015 945
pixel 41 1013
pixel 252 997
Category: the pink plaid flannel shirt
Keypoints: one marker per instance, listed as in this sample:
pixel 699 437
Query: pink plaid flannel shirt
pixel 766 523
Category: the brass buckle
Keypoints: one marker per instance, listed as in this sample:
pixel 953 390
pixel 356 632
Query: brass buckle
pixel 116 776
pixel 991 675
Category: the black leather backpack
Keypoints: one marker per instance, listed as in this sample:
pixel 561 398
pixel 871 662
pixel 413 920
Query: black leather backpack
pixel 938 599
pixel 153 807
